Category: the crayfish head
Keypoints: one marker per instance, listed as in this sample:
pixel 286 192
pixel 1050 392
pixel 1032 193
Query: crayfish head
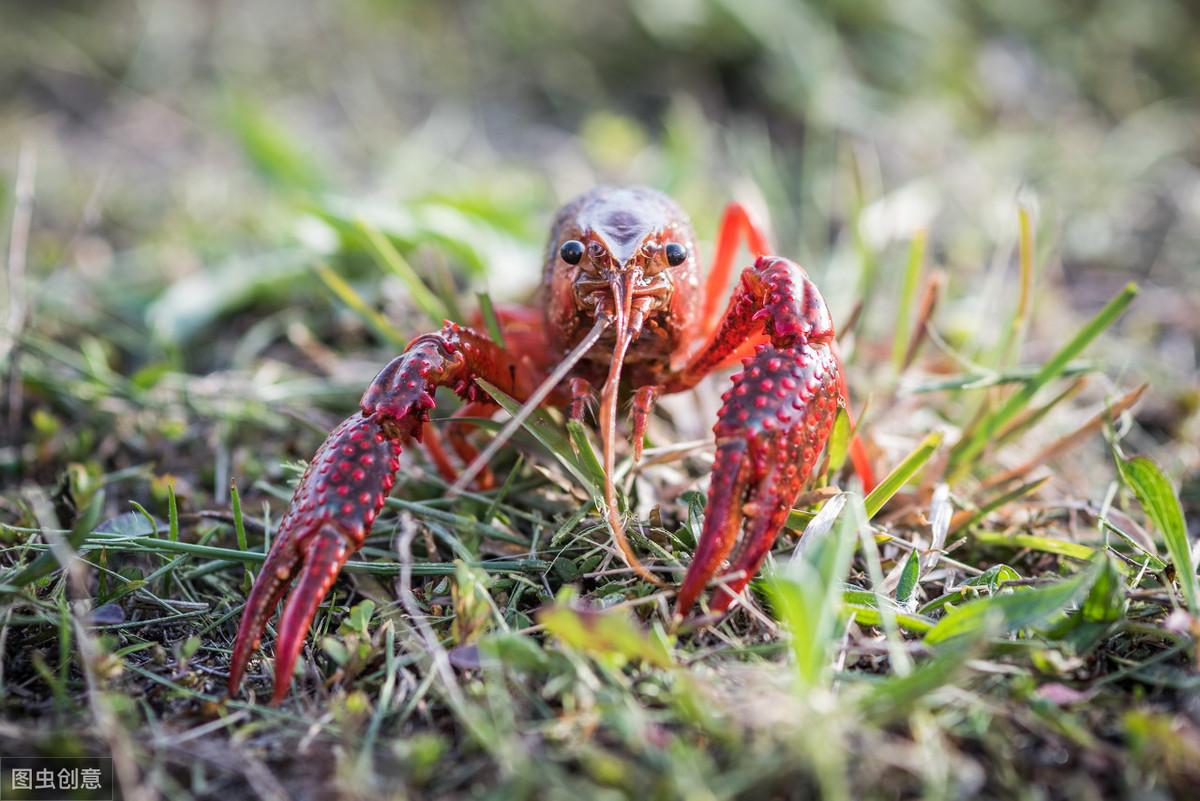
pixel 623 260
pixel 627 255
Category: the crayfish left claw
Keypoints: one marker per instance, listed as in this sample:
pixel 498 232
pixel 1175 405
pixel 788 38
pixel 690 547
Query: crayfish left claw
pixel 773 424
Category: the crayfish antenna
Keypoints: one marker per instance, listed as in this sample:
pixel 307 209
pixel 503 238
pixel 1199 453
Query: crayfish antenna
pixel 535 400
pixel 608 430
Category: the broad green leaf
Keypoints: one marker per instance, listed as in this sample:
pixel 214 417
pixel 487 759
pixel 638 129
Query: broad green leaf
pixel 909 578
pixel 991 579
pixel 1161 504
pixel 1104 605
pixel 197 300
pixel 806 595
pixel 610 636
pixel 132 524
pixel 1105 602
pixel 517 651
pixel 336 649
pixel 359 619
pixel 1020 609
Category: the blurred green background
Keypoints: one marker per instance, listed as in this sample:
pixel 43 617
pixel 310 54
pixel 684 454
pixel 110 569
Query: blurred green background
pixel 148 119
pixel 200 297
pixel 196 160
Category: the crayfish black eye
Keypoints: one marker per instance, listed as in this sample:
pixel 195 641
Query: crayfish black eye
pixel 676 253
pixel 571 251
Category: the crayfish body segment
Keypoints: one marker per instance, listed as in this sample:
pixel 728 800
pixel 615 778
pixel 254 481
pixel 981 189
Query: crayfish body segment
pixel 623 310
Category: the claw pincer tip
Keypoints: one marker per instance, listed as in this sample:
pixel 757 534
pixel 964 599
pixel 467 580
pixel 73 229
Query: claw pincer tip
pixel 338 497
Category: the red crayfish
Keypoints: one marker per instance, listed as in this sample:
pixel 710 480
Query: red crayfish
pixel 622 309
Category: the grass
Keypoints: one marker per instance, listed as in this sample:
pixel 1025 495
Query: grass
pixel 1011 613
pixel 515 645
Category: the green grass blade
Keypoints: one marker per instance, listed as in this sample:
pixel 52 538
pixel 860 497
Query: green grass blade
pixel 839 441
pixel 806 595
pixel 1073 550
pixel 390 259
pixel 276 155
pixel 172 514
pixel 585 453
pixel 239 529
pixel 371 318
pixel 488 310
pixel 985 379
pixel 967 452
pixel 153 545
pixel 1003 499
pixel 1011 345
pixel 1161 504
pixel 1151 560
pixel 912 272
pixel 554 438
pixel 902 474
pixel 47 563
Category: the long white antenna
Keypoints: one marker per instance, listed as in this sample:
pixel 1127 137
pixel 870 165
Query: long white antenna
pixel 534 401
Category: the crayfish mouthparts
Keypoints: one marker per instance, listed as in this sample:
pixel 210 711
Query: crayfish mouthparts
pixel 619 261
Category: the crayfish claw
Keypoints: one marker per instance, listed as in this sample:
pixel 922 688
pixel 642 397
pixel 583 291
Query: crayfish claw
pixel 346 483
pixel 272 582
pixel 337 499
pixel 774 422
pixel 326 552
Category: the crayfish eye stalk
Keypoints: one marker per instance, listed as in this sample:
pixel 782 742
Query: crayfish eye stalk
pixel 628 326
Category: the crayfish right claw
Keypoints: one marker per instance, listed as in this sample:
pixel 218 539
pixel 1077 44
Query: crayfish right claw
pixel 333 507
